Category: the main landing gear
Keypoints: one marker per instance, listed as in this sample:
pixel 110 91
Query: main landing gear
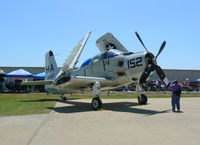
pixel 142 99
pixel 96 101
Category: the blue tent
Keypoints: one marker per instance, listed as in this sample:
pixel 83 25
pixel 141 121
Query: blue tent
pixel 198 80
pixel 40 75
pixel 19 73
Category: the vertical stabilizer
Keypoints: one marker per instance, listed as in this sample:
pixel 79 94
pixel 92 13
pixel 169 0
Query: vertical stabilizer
pixel 51 68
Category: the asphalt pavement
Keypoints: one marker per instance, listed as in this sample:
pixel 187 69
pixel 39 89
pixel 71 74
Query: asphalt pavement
pixel 122 121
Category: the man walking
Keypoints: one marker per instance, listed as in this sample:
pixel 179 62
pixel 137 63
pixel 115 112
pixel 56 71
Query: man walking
pixel 176 93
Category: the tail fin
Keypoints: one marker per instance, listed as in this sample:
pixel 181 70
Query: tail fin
pixel 51 68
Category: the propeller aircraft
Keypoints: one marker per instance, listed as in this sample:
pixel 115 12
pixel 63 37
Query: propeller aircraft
pixel 114 67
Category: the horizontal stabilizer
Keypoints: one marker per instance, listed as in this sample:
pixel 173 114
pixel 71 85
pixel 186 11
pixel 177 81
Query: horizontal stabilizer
pixel 47 82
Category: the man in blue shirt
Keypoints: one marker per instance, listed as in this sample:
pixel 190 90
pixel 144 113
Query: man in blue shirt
pixel 176 93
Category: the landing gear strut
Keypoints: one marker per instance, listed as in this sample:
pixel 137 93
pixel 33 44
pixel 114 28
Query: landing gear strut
pixel 96 101
pixel 142 99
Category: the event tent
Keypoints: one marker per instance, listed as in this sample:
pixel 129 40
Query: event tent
pixel 198 80
pixel 19 73
pixel 40 75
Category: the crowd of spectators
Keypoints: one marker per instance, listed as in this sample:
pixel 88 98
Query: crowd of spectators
pixel 16 87
pixel 156 85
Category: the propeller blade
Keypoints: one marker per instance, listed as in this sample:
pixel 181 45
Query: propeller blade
pixel 138 36
pixel 161 48
pixel 146 73
pixel 161 75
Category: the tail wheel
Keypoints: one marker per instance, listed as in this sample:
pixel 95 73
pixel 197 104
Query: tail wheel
pixel 63 99
pixel 96 103
pixel 142 99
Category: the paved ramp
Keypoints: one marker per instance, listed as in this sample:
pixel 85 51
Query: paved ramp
pixel 121 122
pixel 18 130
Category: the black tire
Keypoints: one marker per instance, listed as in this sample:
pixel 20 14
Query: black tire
pixel 96 103
pixel 142 99
pixel 63 99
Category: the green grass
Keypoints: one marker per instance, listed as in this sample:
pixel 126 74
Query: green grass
pixel 39 103
pixel 23 104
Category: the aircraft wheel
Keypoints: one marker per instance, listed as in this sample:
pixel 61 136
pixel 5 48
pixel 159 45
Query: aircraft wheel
pixel 96 103
pixel 142 99
pixel 63 99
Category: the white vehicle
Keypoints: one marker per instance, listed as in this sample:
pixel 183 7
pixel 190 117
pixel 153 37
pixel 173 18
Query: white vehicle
pixel 114 67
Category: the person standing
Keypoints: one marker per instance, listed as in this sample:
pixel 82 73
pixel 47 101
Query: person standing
pixel 176 93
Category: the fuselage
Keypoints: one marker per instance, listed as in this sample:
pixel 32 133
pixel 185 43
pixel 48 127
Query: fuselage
pixel 120 68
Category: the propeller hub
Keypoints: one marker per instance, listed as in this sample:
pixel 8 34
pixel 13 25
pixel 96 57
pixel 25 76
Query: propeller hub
pixel 150 58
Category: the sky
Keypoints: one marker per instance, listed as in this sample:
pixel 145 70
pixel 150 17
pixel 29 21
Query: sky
pixel 30 28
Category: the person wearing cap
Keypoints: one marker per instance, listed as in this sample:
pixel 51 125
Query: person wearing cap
pixel 176 93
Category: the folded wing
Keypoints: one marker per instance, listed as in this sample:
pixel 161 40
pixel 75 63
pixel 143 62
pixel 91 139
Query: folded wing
pixel 108 41
pixel 72 60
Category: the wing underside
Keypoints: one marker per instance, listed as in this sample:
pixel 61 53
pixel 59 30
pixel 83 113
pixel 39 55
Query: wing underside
pixel 72 60
pixel 80 83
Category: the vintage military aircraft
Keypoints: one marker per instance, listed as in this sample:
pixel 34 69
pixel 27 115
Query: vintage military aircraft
pixel 115 66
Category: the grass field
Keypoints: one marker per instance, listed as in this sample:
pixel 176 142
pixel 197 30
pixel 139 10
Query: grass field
pixel 39 103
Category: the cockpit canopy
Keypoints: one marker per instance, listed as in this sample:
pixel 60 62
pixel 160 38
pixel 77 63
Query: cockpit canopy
pixel 101 56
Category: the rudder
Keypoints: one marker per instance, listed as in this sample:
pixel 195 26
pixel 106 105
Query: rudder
pixel 51 68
